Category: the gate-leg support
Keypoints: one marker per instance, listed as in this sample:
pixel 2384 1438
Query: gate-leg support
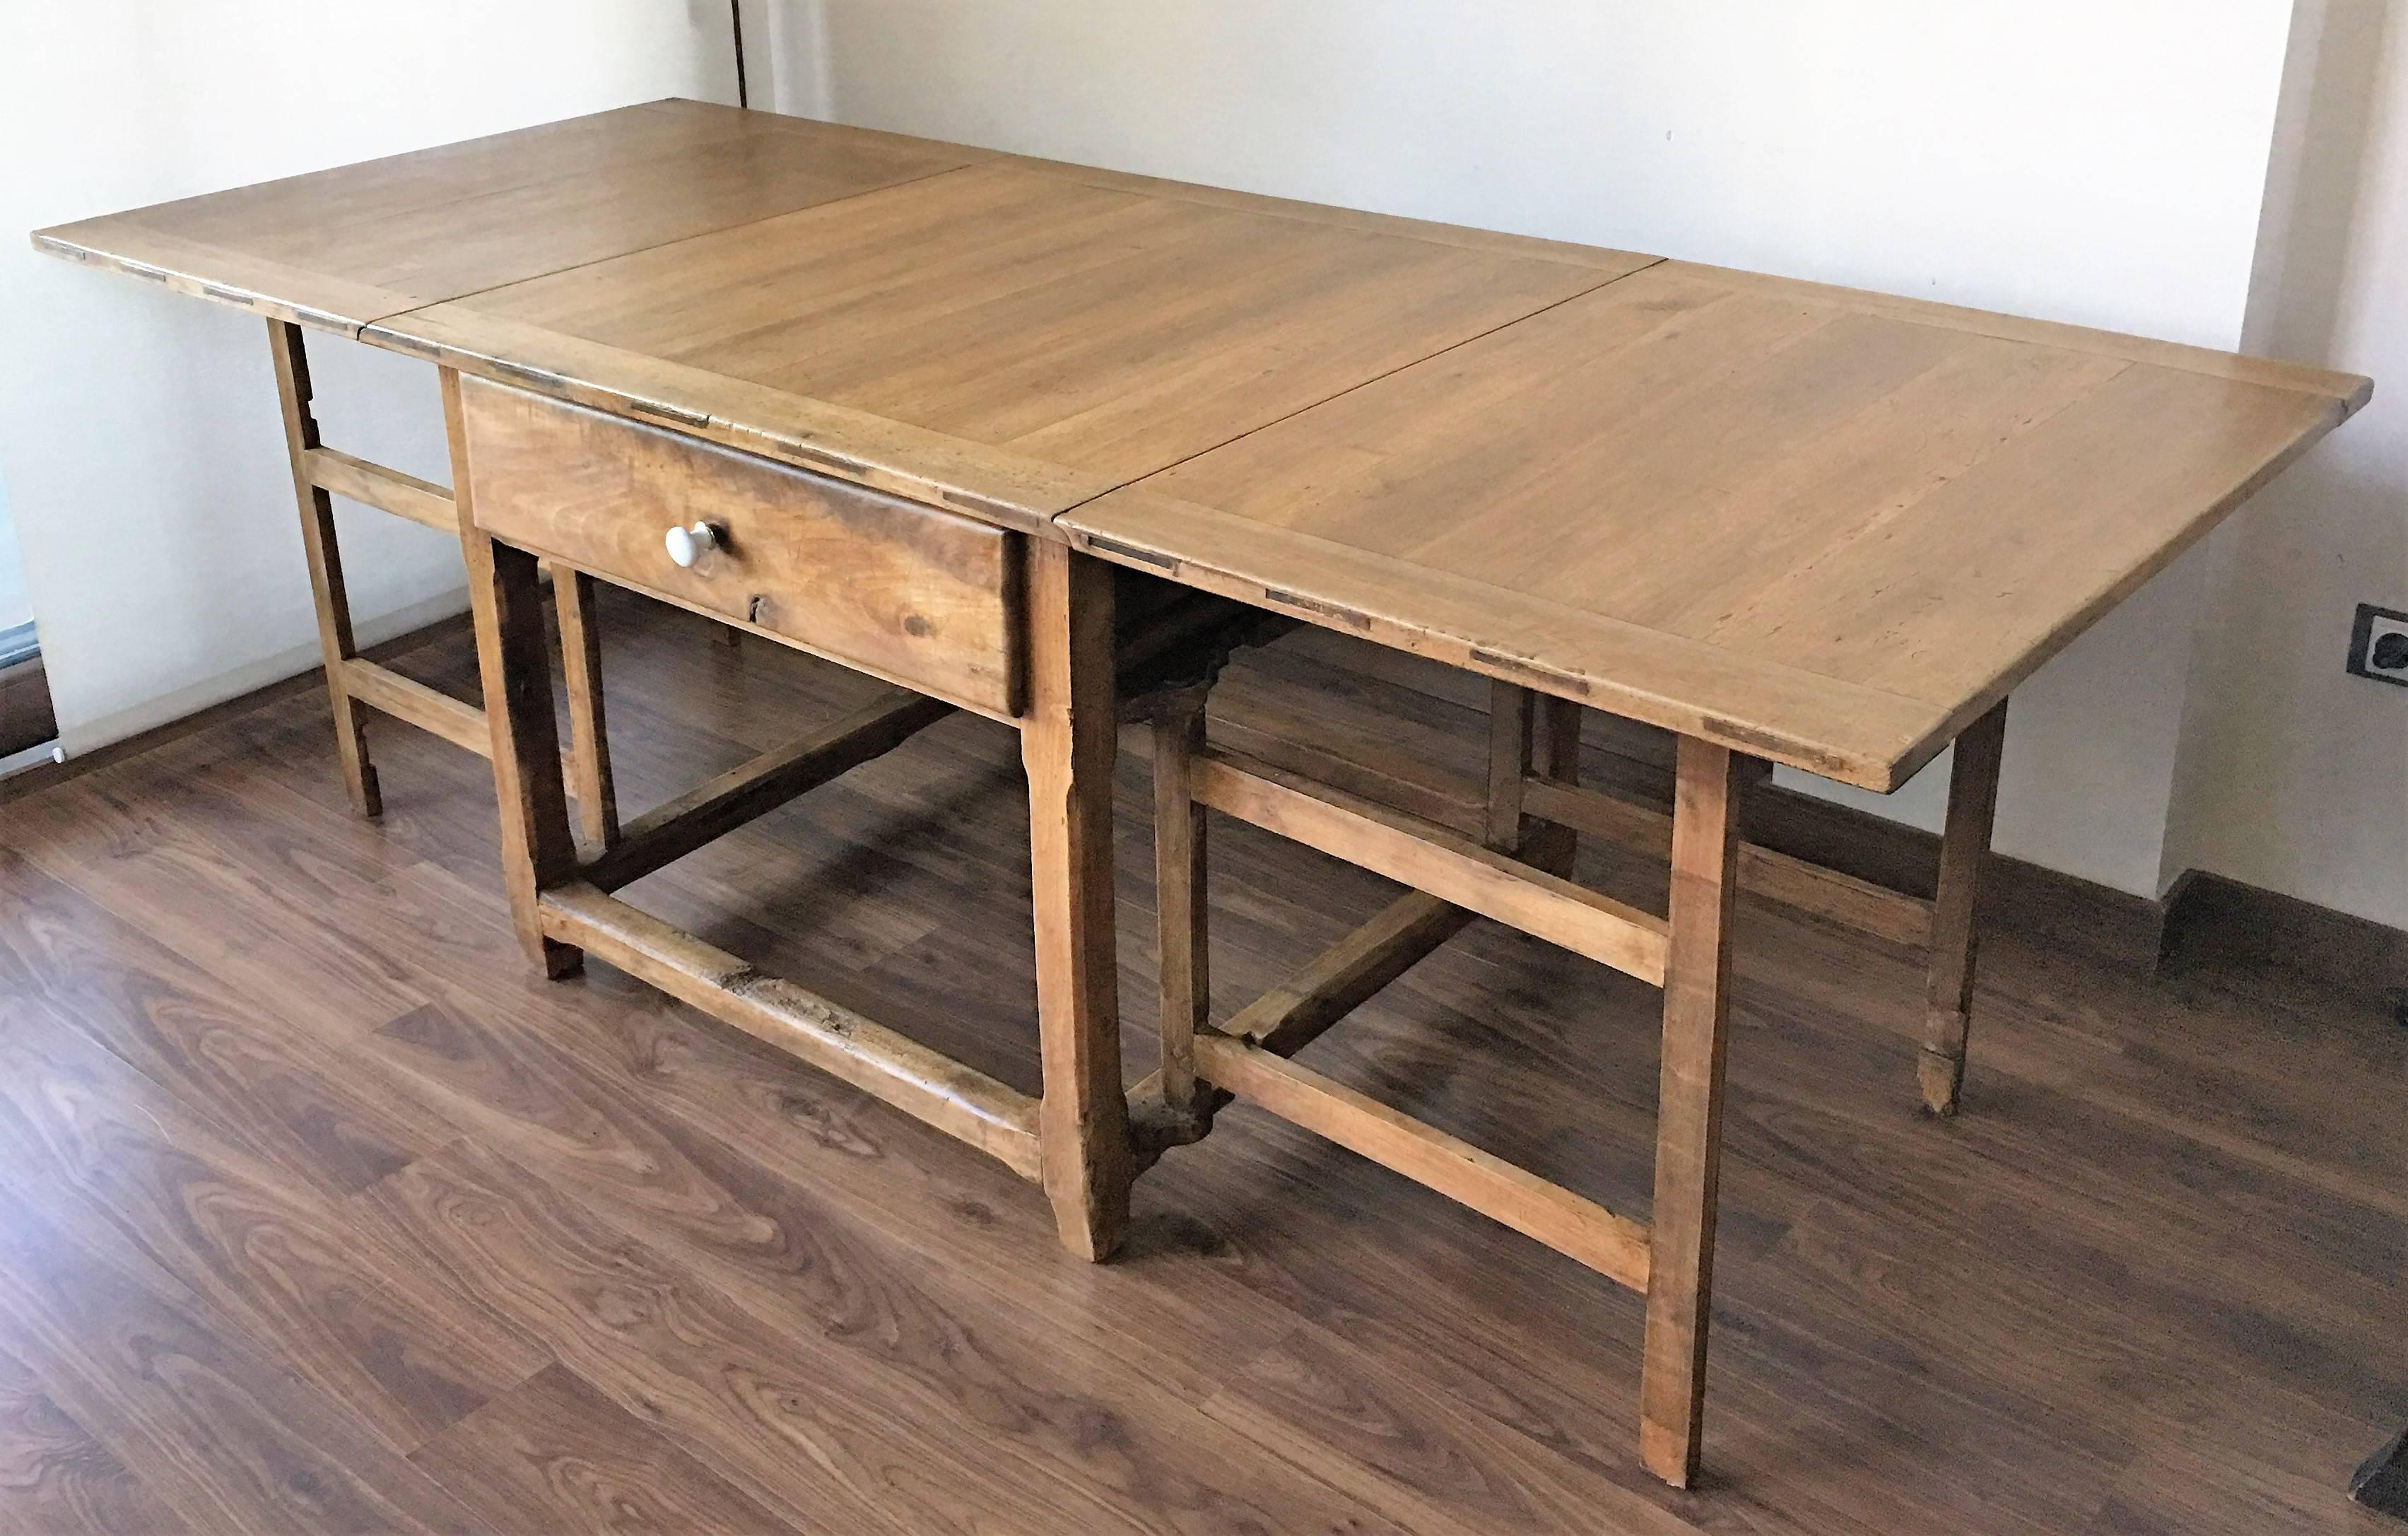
pixel 1689 1110
pixel 1972 804
pixel 326 566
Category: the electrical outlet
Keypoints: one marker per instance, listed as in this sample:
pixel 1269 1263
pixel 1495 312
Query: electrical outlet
pixel 2378 645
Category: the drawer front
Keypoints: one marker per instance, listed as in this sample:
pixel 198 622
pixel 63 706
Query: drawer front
pixel 927 598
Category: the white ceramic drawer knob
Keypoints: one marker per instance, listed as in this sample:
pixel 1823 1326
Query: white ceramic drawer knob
pixel 688 545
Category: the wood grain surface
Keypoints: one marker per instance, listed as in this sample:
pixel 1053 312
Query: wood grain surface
pixel 892 587
pixel 1823 527
pixel 367 1227
pixel 1820 526
pixel 339 249
pixel 1109 331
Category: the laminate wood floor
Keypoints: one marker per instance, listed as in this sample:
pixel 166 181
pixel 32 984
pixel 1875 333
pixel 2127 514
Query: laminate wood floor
pixel 319 1212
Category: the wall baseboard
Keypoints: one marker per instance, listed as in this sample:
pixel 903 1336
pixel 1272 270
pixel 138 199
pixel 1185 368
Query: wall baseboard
pixel 40 755
pixel 2203 919
pixel 400 638
pixel 82 737
pixel 2243 930
pixel 2076 915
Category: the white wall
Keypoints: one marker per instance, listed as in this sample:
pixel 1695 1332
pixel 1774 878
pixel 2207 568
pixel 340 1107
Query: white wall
pixel 2296 774
pixel 2091 159
pixel 139 430
pixel 16 606
pixel 2098 161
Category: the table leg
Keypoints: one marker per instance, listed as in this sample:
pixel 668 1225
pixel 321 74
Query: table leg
pixel 1556 759
pixel 1560 739
pixel 1181 904
pixel 1067 743
pixel 326 566
pixel 589 741
pixel 514 659
pixel 1972 804
pixel 1529 733
pixel 1513 718
pixel 1688 1132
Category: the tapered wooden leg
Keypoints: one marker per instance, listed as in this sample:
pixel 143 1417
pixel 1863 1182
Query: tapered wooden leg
pixel 1688 1131
pixel 1180 897
pixel 1068 742
pixel 589 739
pixel 326 566
pixel 1972 806
pixel 513 658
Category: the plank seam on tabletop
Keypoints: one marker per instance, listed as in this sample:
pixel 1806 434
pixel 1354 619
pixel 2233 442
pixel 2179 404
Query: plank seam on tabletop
pixel 1360 384
pixel 657 245
pixel 1042 518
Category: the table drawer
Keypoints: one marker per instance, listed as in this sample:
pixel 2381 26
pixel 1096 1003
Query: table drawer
pixel 927 598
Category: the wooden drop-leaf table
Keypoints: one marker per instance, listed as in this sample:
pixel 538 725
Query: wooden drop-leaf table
pixel 961 419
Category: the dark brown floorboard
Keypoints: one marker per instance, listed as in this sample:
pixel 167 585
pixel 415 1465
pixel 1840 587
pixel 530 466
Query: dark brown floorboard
pixel 26 718
pixel 56 1480
pixel 319 1212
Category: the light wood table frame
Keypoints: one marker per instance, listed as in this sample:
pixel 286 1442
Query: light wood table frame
pixel 937 394
pixel 1075 1138
pixel 1518 874
pixel 1946 924
pixel 355 684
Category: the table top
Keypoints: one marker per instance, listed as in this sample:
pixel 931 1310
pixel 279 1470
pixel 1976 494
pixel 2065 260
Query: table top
pixel 1823 526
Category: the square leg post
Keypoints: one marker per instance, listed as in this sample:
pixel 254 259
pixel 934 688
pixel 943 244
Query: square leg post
pixel 1067 743
pixel 1972 806
pixel 1557 761
pixel 1688 1131
pixel 513 658
pixel 1529 733
pixel 326 566
pixel 589 743
pixel 1560 739
pixel 1513 721
pixel 1180 900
